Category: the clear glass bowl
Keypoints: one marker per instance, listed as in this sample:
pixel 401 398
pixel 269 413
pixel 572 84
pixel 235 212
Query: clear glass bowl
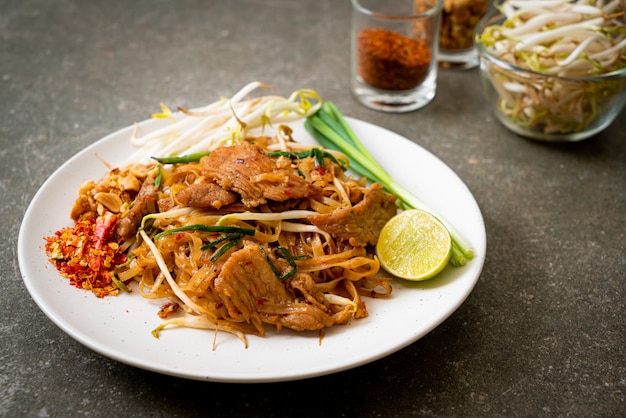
pixel 548 107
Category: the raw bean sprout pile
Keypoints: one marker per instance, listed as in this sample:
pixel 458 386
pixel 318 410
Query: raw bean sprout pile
pixel 583 43
pixel 217 124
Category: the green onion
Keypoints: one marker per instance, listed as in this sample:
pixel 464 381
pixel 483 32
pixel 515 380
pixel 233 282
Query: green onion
pixel 331 130
pixel 219 240
pixel 126 263
pixel 207 228
pixel 227 246
pixel 189 158
pixel 159 178
pixel 234 235
pixel 317 153
pixel 118 283
pixel 282 252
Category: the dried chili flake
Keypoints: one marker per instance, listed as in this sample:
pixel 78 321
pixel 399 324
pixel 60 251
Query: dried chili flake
pixel 388 60
pixel 85 254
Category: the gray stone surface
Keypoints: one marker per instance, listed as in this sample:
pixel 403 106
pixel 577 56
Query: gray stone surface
pixel 543 332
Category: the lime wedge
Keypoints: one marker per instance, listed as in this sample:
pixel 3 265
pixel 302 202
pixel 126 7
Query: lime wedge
pixel 414 245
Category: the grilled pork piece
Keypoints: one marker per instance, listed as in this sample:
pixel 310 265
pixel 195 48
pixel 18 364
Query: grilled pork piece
pixel 245 169
pixel 207 196
pixel 247 281
pixel 360 224
pixel 250 291
pixel 145 203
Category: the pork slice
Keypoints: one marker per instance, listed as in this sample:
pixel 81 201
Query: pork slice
pixel 311 314
pixel 307 317
pixel 245 169
pixel 206 196
pixel 247 281
pixel 164 204
pixel 144 203
pixel 360 224
pixel 250 290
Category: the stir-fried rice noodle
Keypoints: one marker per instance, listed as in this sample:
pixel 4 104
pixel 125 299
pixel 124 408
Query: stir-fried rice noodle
pixel 250 236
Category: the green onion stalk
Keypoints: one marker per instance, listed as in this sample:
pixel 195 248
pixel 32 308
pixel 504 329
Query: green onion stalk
pixel 332 131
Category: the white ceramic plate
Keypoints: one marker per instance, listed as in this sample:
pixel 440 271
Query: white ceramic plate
pixel 119 327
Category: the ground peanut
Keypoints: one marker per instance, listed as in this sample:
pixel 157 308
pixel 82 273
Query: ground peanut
pixel 458 20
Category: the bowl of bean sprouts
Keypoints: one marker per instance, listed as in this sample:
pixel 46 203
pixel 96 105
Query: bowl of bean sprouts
pixel 554 70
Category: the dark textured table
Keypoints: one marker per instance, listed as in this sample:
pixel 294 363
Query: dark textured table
pixel 543 332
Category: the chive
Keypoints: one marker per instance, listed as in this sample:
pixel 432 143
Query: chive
pixel 290 155
pixel 287 274
pixel 269 261
pixel 282 252
pixel 225 248
pixel 189 158
pixel 126 263
pixel 159 178
pixel 223 238
pixel 207 228
pixel 317 153
pixel 120 284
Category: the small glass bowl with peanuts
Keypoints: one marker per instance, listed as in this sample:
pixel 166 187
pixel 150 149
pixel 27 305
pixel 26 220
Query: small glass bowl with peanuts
pixel 459 18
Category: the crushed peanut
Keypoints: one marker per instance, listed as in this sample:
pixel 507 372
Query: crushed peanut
pixel 458 21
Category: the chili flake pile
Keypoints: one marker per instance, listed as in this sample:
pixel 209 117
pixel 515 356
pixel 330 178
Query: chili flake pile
pixel 85 255
pixel 391 61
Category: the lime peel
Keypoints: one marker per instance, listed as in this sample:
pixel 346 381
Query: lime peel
pixel 414 245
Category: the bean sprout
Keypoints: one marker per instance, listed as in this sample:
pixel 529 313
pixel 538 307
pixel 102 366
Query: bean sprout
pixel 222 122
pixel 580 42
pixel 562 31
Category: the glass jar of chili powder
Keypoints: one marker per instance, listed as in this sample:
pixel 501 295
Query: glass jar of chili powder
pixel 394 53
